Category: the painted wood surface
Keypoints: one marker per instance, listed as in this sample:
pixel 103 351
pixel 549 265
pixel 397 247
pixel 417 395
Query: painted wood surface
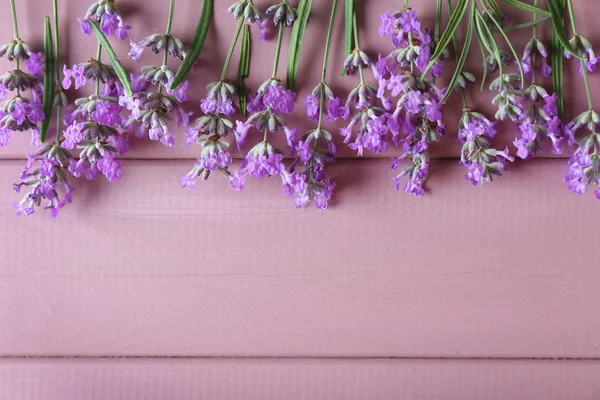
pixel 267 379
pixel 149 16
pixel 141 267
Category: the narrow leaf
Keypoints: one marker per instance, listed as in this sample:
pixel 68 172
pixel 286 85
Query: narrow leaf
pixel 244 70
pixel 558 64
pixel 455 19
pixel 114 60
pixel 349 10
pixel 49 82
pixel 296 40
pixel 196 46
pixel 558 23
pixel 463 56
pixel 526 7
pixel 525 25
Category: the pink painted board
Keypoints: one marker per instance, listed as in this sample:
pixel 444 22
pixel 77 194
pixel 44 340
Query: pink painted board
pixel 297 379
pixel 141 267
pixel 149 16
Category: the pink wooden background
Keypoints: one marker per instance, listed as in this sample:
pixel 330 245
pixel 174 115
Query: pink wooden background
pixel 141 290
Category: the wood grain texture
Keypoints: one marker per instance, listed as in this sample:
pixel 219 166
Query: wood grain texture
pixel 235 379
pixel 149 16
pixel 141 267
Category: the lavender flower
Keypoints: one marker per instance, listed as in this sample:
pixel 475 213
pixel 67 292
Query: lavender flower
pixel 45 176
pixel 584 48
pixel 21 112
pixel 266 109
pixel 483 162
pixel 107 15
pixel 307 178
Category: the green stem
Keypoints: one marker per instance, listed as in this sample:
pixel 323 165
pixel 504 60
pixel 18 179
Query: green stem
pixel 13 11
pixel 98 58
pixel 535 4
pixel 457 51
pixel 278 52
pixel 355 32
pixel 586 80
pixel 438 20
pixel 325 61
pixel 57 67
pixel 171 13
pixel 232 48
pixel 56 41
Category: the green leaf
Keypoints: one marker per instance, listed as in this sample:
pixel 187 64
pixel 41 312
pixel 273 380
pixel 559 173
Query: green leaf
pixel 525 25
pixel 453 23
pixel 349 10
pixel 49 82
pixel 244 70
pixel 114 60
pixel 558 64
pixel 558 23
pixel 296 40
pixel 526 7
pixel 463 56
pixel 196 46
pixel 493 9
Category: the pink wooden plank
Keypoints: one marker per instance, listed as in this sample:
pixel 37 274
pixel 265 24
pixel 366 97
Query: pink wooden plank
pixel 140 267
pixel 149 17
pixel 297 379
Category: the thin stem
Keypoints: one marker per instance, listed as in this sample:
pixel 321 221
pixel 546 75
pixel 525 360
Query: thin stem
pixel 265 138
pixel 588 90
pixel 535 4
pixel 278 52
pixel 56 40
pixel 171 13
pixel 325 61
pixel 13 11
pixel 98 58
pixel 457 51
pixel 355 31
pixel 232 48
pixel 57 56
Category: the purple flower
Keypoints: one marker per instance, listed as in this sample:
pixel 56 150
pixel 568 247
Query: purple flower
pixel 279 98
pixel 311 102
pixel 387 24
pixel 136 50
pixel 85 26
pixel 76 73
pixel 73 136
pixel 35 64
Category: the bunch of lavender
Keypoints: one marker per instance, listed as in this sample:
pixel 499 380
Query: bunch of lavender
pixel 416 121
pixel 540 120
pixel 46 172
pixel 218 107
pixel 95 126
pixel 584 164
pixel 307 179
pixel 265 109
pixel 371 120
pixel 21 112
pixel 151 111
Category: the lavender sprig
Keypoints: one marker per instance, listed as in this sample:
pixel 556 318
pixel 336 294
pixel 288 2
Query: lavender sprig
pixel 211 129
pixel 151 111
pixel 584 164
pixel 21 112
pixel 307 179
pixel 265 108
